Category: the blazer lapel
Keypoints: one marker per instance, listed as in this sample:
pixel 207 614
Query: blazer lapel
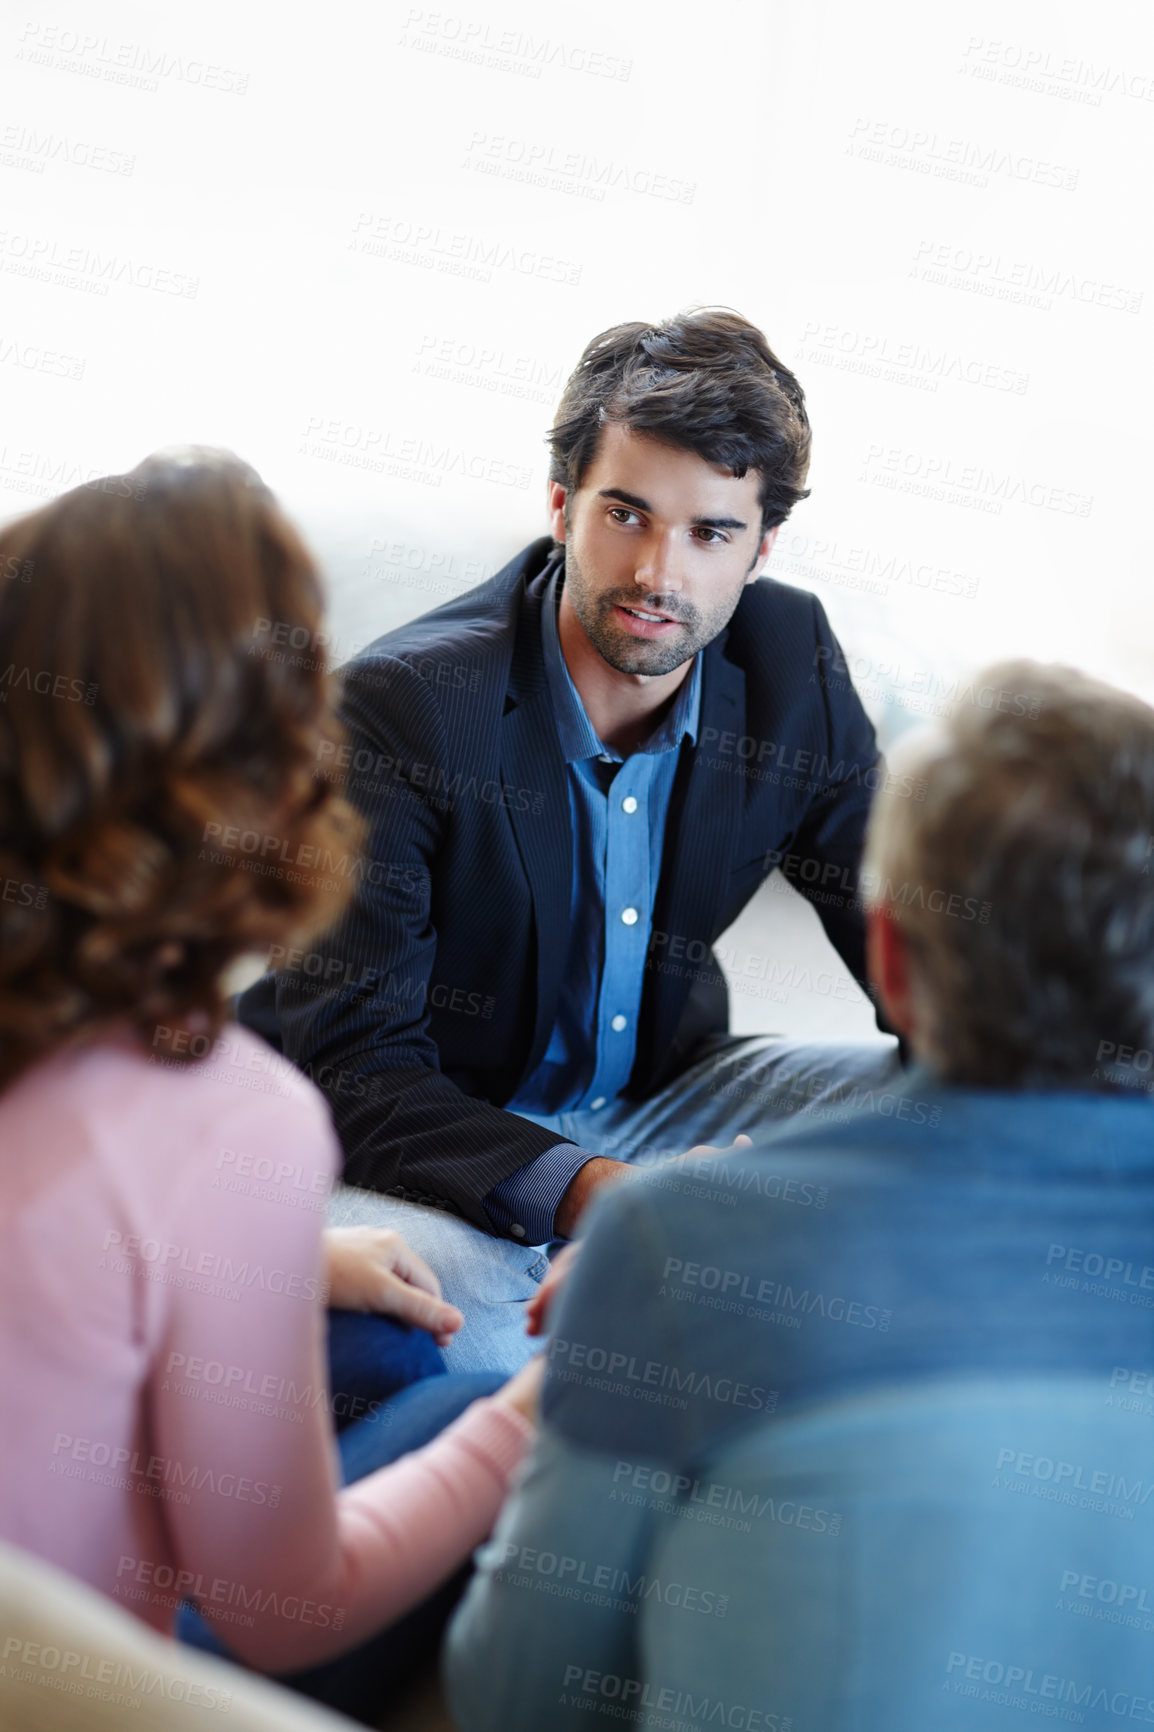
pixel 535 778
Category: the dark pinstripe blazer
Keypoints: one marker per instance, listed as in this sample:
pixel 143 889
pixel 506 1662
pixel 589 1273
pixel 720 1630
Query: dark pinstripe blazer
pixel 422 1011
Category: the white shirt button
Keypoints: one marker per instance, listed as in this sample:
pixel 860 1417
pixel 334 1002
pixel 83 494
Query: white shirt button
pixel 517 1230
pixel 617 1024
pixel 629 804
pixel 629 915
pixel 598 1103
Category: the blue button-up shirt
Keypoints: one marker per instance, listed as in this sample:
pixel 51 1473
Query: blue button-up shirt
pixel 618 808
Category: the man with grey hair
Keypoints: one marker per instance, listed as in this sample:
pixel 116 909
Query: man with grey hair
pixel 954 1231
pixel 1038 812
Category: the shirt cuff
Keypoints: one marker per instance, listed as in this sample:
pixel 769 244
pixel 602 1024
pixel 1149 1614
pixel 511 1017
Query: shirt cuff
pixel 522 1206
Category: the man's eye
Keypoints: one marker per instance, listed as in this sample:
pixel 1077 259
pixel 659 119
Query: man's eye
pixel 710 535
pixel 620 513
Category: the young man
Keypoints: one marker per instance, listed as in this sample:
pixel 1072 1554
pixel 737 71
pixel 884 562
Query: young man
pixel 792 1391
pixel 577 775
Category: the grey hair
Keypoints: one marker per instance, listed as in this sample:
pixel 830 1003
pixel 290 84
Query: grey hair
pixel 1022 879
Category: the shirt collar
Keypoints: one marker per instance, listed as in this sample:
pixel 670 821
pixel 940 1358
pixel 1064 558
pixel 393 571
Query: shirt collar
pixel 579 738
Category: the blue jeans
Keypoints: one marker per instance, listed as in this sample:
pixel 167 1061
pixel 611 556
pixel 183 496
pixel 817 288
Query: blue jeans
pixel 371 1359
pixel 756 1085
pixel 395 1378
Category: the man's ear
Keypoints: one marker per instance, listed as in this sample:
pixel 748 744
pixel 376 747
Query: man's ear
pixel 556 497
pixel 887 961
pixel 763 553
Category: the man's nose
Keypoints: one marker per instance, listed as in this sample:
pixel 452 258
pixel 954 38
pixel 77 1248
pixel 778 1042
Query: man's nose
pixel 658 567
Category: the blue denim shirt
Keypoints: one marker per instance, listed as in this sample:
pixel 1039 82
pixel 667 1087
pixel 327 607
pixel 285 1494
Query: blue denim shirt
pixel 946 1241
pixel 618 808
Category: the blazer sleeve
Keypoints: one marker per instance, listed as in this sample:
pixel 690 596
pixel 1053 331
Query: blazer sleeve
pixel 358 1025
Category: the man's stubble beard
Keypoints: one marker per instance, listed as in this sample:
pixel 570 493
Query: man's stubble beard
pixel 631 655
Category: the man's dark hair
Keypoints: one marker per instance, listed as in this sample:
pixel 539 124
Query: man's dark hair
pixel 708 382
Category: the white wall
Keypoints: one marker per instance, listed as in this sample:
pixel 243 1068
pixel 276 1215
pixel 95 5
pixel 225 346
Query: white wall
pixel 396 226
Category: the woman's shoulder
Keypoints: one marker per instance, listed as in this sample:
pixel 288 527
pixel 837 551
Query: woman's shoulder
pixel 236 1058
pixel 189 1088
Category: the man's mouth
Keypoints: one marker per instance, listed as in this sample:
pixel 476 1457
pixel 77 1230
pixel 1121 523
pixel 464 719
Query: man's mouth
pixel 644 619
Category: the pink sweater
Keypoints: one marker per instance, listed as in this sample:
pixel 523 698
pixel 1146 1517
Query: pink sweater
pixel 164 1423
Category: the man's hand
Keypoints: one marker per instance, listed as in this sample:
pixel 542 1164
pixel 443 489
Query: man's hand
pixel 585 1182
pixel 739 1142
pixel 600 1171
pixel 523 1390
pixel 560 1268
pixel 372 1269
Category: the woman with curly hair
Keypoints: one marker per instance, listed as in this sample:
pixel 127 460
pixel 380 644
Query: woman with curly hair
pixel 163 1174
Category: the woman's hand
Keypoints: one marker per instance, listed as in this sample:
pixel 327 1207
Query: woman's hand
pixel 372 1269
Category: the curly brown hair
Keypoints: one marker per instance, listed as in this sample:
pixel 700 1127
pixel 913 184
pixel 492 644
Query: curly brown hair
pixel 147 733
